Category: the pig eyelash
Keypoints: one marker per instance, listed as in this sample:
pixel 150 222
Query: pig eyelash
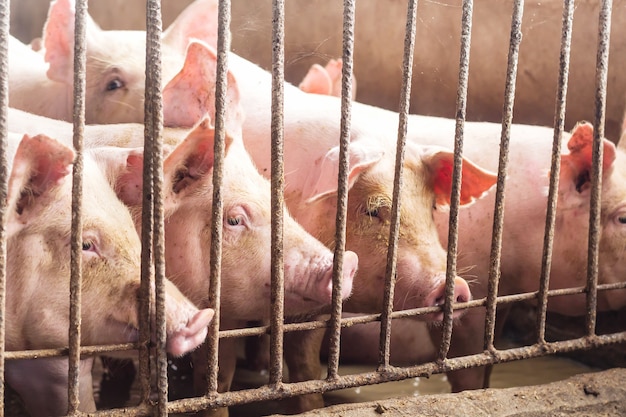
pixel 234 221
pixel 90 247
pixel 373 212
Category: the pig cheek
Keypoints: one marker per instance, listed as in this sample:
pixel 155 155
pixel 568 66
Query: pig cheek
pixel 246 259
pixel 107 293
pixel 368 237
pixel 611 263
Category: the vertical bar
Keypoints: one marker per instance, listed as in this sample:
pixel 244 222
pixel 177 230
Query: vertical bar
pixel 392 253
pixel 555 168
pixel 4 179
pixel 602 66
pixel 154 127
pixel 455 198
pixel 77 220
pixel 147 230
pixel 223 45
pixel 342 187
pixel 278 180
pixel 498 219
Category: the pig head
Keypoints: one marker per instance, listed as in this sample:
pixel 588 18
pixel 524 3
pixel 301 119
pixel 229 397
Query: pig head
pixel 42 83
pixel 38 225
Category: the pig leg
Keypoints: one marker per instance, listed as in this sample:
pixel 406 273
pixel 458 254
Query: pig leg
pixel 43 384
pixel 117 378
pixel 302 355
pixel 227 360
pixel 464 341
pixel 257 350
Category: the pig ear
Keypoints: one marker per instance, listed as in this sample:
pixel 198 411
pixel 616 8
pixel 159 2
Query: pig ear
pixel 475 181
pixel 191 93
pixel 326 80
pixel 124 170
pixel 193 159
pixel 322 178
pixel 317 81
pixel 58 40
pixel 576 166
pixel 40 164
pixel 198 20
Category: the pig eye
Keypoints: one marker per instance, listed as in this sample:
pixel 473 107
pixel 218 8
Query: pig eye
pixel 621 219
pixel 114 84
pixel 89 246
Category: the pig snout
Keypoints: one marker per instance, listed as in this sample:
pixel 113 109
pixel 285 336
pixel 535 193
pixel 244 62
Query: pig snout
pixel 437 297
pixel 318 287
pixel 186 325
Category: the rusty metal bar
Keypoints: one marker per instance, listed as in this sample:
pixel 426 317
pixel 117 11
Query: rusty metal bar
pixel 154 119
pixel 602 67
pixel 4 180
pixel 342 187
pixel 392 252
pixel 147 227
pixel 498 219
pixel 370 378
pixel 317 324
pixel 223 45
pixel 555 168
pixel 393 373
pixel 277 200
pixel 455 197
pixel 76 245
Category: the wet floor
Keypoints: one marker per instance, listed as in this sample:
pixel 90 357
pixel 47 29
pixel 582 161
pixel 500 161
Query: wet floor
pixel 512 374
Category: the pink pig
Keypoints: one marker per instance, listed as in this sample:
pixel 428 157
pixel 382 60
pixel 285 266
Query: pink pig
pixel 188 207
pixel 37 306
pixel 522 245
pixel 311 166
pixel 42 83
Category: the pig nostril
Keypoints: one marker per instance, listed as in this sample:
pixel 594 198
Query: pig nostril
pixel 439 301
pixel 462 298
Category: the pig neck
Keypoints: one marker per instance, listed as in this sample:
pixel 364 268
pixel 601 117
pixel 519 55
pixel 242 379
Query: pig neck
pixel 27 81
pixel 311 124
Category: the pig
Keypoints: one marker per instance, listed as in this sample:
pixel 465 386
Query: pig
pixel 42 83
pixel 370 163
pixel 521 257
pixel 310 190
pixel 435 74
pixel 37 298
pixel 188 176
pixel 313 33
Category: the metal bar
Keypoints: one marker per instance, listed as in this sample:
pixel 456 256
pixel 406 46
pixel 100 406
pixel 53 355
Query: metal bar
pixel 602 66
pixel 498 219
pixel 147 228
pixel 392 252
pixel 342 187
pixel 154 113
pixel 277 200
pixel 555 167
pixel 223 45
pixel 392 374
pixel 455 197
pixel 4 180
pixel 77 202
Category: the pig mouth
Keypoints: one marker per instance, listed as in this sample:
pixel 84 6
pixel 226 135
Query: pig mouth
pixel 294 297
pixel 129 332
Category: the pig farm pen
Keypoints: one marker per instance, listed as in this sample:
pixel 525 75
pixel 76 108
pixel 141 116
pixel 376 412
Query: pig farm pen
pixel 592 331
